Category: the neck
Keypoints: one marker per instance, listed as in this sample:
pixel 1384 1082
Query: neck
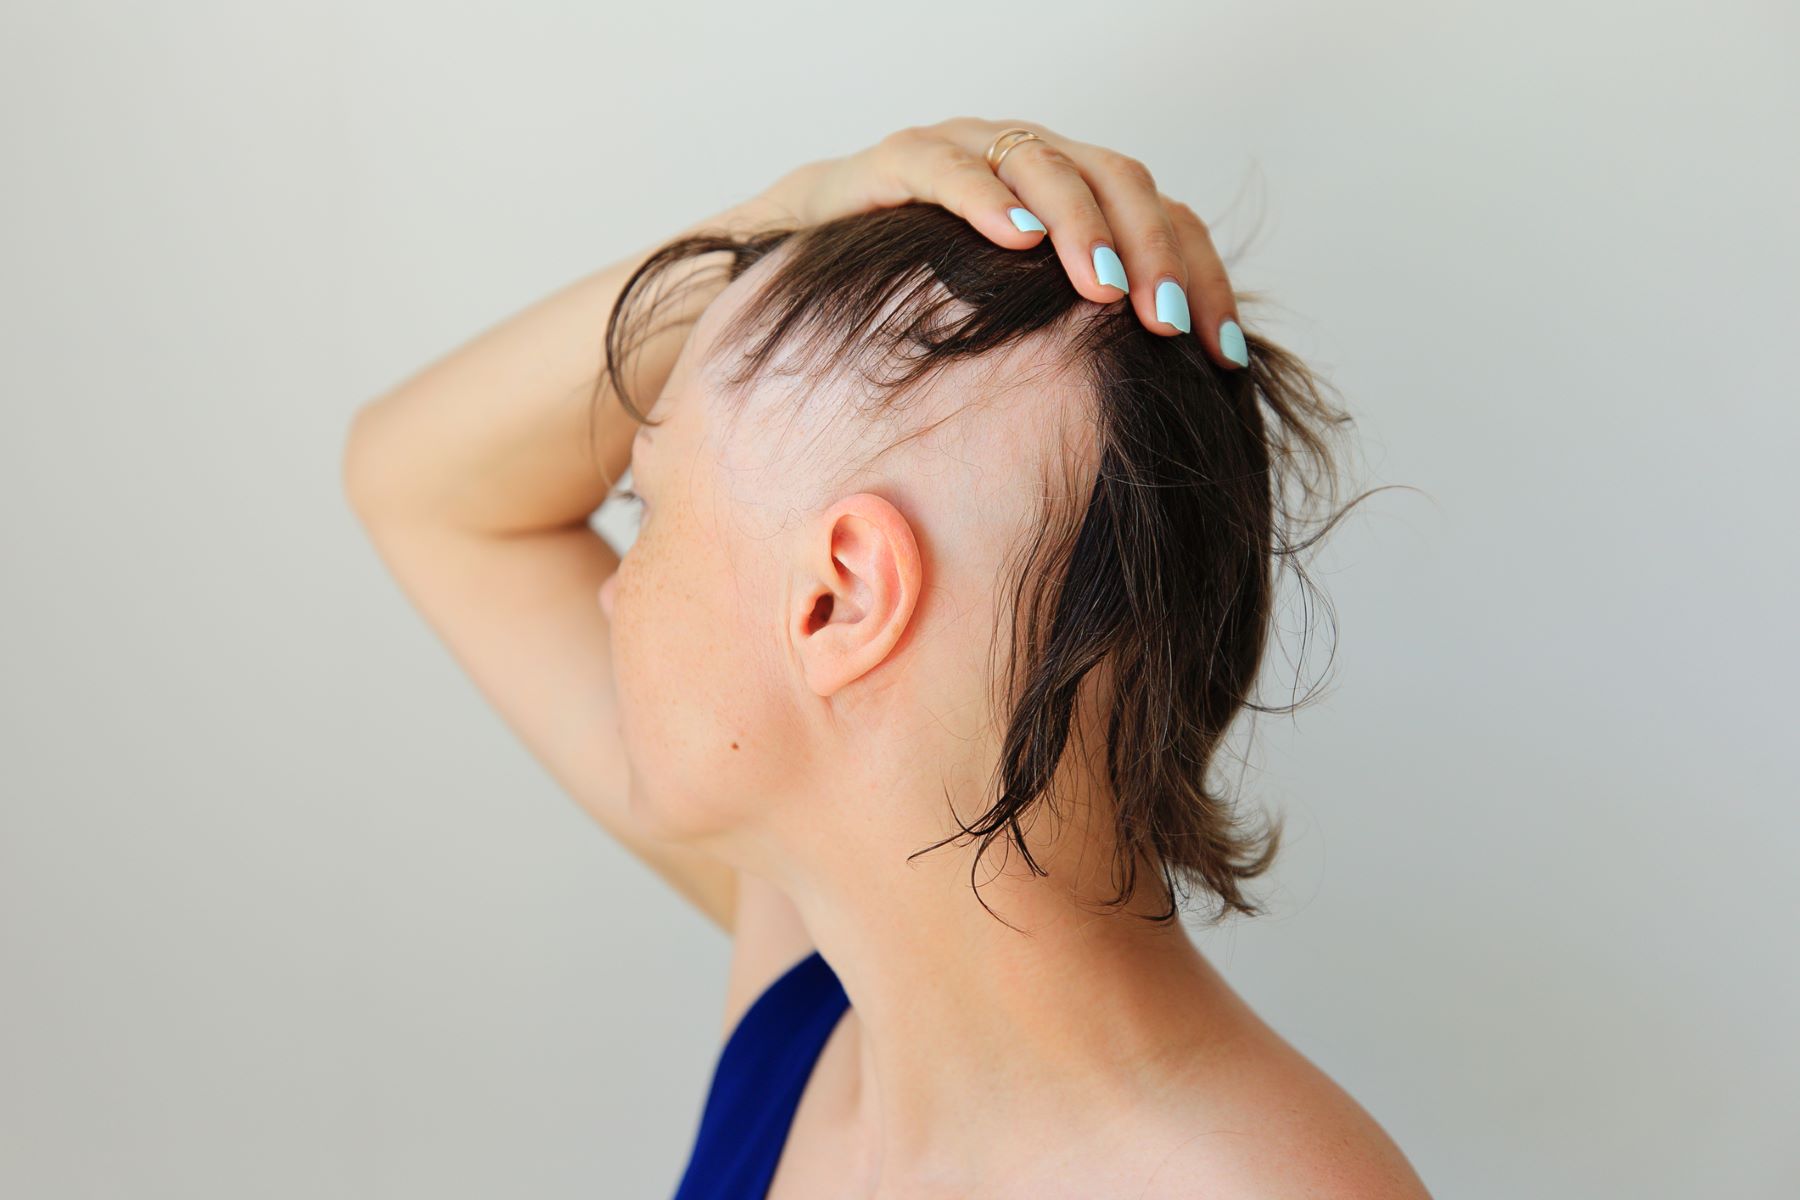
pixel 983 1047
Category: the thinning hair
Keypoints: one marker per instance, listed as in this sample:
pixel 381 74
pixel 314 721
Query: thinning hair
pixel 1160 575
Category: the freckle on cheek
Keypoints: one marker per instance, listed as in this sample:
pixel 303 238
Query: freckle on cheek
pixel 734 745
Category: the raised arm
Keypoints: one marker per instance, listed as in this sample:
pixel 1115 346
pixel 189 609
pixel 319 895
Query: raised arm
pixel 475 482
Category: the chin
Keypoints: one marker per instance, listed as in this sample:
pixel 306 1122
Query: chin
pixel 655 817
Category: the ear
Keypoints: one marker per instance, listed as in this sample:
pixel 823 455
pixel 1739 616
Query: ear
pixel 858 583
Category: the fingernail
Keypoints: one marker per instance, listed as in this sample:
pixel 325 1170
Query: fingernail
pixel 1024 221
pixel 1171 305
pixel 1108 268
pixel 1231 341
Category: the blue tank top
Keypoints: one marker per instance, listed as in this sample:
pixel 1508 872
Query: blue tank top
pixel 757 1081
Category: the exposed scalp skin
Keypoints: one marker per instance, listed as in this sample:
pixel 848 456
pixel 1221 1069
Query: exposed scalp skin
pixel 923 522
pixel 1125 501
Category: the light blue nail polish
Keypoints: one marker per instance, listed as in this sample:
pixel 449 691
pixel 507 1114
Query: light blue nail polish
pixel 1108 268
pixel 1171 305
pixel 1231 341
pixel 1024 221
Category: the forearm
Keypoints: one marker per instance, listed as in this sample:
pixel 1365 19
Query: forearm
pixel 494 437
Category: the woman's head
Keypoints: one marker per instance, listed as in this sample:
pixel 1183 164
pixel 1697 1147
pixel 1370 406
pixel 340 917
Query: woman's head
pixel 918 514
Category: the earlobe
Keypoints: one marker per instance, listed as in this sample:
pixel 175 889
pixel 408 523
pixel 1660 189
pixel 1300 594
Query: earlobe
pixel 859 576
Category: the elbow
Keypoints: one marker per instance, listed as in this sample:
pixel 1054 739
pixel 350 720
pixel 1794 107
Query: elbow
pixel 359 463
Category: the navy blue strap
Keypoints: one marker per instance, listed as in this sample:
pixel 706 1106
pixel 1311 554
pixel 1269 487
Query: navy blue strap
pixel 756 1084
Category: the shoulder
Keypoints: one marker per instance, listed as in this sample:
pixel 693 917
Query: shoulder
pixel 1287 1130
pixel 768 939
pixel 1268 1172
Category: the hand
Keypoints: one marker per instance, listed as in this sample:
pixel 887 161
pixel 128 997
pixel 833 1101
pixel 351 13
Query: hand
pixel 1088 196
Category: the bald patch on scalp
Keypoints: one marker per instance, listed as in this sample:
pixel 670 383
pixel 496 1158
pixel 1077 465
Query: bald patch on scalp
pixel 972 453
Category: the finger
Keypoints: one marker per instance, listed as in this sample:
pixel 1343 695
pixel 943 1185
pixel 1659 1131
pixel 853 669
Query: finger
pixel 1213 301
pixel 1152 249
pixel 924 163
pixel 1051 183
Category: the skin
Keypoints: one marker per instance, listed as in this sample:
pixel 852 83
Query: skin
pixel 783 687
pixel 840 653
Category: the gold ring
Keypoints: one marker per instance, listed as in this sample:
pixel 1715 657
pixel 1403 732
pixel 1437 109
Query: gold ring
pixel 1023 135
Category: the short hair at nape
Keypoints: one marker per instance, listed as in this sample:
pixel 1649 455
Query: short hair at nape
pixel 1161 579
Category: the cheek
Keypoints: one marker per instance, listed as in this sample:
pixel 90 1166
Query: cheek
pixel 693 690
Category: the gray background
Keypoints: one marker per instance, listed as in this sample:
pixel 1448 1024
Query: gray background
pixel 285 911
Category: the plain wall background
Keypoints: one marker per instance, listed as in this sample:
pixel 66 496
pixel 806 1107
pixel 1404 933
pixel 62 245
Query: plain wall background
pixel 285 911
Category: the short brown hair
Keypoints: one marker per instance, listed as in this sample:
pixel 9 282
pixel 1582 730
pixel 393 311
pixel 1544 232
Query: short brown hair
pixel 1164 577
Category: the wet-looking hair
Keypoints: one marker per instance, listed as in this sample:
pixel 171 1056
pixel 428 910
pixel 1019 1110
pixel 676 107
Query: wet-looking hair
pixel 1163 578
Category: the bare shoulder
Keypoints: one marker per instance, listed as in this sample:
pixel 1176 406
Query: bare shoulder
pixel 768 937
pixel 1275 1127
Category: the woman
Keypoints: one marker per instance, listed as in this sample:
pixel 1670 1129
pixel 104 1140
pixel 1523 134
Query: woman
pixel 959 508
